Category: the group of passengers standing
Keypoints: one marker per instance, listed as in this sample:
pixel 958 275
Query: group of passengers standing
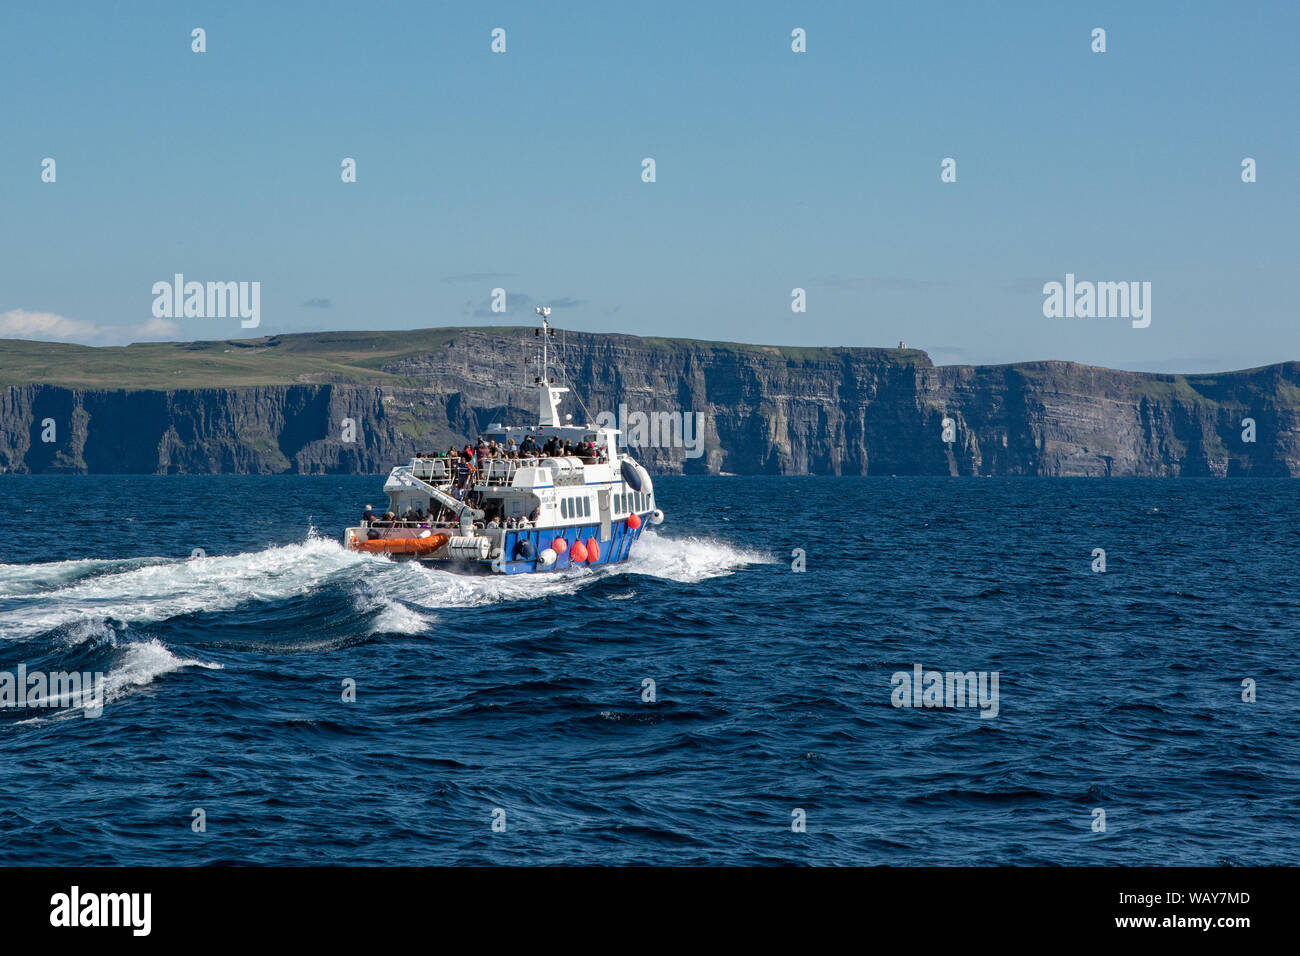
pixel 468 461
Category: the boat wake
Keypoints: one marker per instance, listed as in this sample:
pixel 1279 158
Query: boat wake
pixel 69 602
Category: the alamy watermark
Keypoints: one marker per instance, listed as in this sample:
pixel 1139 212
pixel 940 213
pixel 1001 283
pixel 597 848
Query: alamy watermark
pixel 59 689
pixel 1098 300
pixel 179 299
pixel 657 429
pixel 951 689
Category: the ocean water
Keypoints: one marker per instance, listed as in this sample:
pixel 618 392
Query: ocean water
pixel 520 699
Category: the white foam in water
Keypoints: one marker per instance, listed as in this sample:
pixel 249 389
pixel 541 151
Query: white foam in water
pixel 141 663
pixel 16 579
pixel 688 560
pixel 395 618
pixel 396 590
pixel 434 588
pixel 156 592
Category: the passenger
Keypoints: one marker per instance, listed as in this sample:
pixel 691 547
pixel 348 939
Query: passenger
pixel 537 513
pixel 495 522
pixel 527 446
pixel 552 446
pixel 368 515
pixel 568 448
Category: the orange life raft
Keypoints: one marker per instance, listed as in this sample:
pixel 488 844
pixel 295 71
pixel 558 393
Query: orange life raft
pixel 401 545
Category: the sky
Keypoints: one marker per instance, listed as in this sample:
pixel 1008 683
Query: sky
pixel 775 170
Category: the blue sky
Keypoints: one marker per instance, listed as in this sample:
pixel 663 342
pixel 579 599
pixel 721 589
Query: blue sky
pixel 775 170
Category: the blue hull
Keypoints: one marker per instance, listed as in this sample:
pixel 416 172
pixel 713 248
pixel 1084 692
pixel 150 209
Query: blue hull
pixel 613 551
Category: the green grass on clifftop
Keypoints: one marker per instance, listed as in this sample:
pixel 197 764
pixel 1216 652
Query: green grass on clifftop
pixel 305 358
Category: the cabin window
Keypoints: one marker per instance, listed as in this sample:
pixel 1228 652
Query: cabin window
pixel 564 507
pixel 586 507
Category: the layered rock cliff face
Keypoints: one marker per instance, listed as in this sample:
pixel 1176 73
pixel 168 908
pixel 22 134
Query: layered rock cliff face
pixel 760 409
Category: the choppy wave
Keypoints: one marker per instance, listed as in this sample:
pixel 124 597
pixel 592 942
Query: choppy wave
pixel 771 690
pixel 161 589
pixel 71 599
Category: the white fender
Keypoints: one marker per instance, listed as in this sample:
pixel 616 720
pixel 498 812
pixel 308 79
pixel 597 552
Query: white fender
pixel 546 558
pixel 647 486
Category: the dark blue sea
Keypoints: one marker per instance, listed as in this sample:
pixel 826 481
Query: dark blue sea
pixel 520 700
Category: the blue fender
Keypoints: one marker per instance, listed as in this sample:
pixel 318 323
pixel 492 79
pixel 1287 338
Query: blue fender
pixel 630 475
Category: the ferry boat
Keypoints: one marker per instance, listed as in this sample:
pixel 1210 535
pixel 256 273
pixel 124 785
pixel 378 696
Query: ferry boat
pixel 540 511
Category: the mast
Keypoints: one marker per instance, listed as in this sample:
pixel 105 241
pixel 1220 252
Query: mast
pixel 550 395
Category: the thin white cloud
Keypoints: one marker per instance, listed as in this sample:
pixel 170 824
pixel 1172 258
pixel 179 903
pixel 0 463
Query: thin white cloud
pixel 52 327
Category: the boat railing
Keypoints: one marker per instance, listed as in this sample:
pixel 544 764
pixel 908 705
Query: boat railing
pixel 499 471
pixel 495 471
pixel 430 469
pixel 427 525
pixel 399 525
